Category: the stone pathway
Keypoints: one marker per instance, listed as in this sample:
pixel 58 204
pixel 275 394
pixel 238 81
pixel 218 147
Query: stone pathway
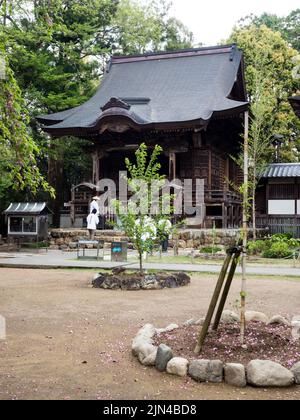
pixel 59 259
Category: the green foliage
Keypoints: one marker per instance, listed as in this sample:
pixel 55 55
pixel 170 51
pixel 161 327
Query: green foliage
pixel 270 82
pixel 60 43
pixel 18 151
pixel 58 51
pixel 288 26
pixel 277 250
pixel 210 249
pixel 275 246
pixel 256 247
pixel 280 237
pixel 146 26
pixel 142 229
pixel 284 238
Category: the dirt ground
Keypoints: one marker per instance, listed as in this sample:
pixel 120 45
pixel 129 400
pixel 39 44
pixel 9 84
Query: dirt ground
pixel 66 340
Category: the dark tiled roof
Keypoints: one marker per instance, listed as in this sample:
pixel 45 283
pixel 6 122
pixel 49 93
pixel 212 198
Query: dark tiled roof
pixel 157 89
pixel 26 208
pixel 282 170
pixel 295 102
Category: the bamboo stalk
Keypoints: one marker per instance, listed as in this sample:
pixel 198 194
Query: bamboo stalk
pixel 245 229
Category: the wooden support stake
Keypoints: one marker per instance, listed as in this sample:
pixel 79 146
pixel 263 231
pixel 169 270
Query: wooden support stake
pixel 231 273
pixel 212 305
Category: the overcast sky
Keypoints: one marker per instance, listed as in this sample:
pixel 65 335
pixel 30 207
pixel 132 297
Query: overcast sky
pixel 212 20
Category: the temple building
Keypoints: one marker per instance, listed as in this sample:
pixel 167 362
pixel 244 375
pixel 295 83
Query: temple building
pixel 278 199
pixel 295 102
pixel 191 102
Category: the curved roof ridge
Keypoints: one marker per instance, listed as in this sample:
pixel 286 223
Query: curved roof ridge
pixel 186 89
pixel 219 49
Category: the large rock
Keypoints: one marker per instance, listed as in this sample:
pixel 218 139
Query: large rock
pixel 147 332
pixel 111 282
pixel 120 280
pixel 163 356
pixel 150 283
pixel 178 366
pixel 181 243
pixel 206 370
pixel 145 350
pixel 229 317
pixel 130 282
pixel 256 317
pixel 182 279
pixel 167 281
pixel 98 280
pixel 150 360
pixel 144 336
pixel 296 327
pixel 264 373
pixel 189 322
pixel 279 320
pixel 118 270
pixel 296 330
pixel 235 374
pixel 169 328
pixel 296 372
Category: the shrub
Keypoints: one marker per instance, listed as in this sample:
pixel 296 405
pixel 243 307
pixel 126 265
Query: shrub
pixel 256 247
pixel 277 250
pixel 210 249
pixel 281 237
pixel 293 243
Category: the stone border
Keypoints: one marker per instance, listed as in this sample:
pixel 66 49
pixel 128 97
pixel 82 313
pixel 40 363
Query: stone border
pixel 119 279
pixel 259 373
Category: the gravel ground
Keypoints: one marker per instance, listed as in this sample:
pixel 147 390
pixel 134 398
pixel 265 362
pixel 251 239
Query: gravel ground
pixel 271 342
pixel 66 340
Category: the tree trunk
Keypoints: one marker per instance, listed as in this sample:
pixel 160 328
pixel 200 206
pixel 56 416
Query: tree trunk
pixel 254 212
pixel 245 230
pixel 55 179
pixel 4 8
pixel 141 261
pixel 254 202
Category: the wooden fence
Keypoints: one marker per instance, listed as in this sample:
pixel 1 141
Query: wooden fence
pixel 280 224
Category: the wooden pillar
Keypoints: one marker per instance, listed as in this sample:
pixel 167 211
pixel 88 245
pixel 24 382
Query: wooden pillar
pixel 209 180
pixel 72 209
pixel 97 156
pixel 226 180
pixel 224 216
pixel 56 180
pixel 96 168
pixel 267 198
pixel 172 166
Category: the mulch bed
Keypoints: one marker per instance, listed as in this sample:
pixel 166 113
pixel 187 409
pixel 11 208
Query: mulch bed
pixel 272 342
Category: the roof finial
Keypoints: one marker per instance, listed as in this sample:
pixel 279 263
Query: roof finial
pixel 233 51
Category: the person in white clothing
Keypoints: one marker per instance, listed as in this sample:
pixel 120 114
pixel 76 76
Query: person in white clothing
pixel 92 222
pixel 95 205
